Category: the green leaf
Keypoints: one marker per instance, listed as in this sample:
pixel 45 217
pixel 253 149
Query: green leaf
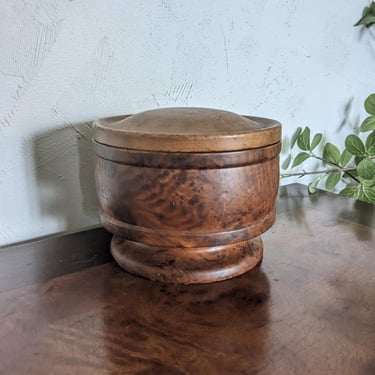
pixel 358 159
pixel 367 193
pixel 366 169
pixel 369 183
pixel 286 162
pixel 331 153
pixel 368 124
pixel 366 20
pixel 316 140
pixel 367 15
pixel 350 191
pixel 300 158
pixel 354 145
pixel 295 136
pixel 370 104
pixel 332 180
pixel 303 140
pixel 370 144
pixel 345 158
pixel 311 187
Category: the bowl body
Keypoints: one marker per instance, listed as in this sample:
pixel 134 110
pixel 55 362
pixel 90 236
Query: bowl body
pixel 187 217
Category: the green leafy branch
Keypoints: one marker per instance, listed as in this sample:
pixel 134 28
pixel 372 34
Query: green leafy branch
pixel 354 165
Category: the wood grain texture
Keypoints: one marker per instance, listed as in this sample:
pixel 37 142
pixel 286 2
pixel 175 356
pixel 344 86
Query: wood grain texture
pixel 171 200
pixel 308 309
pixel 189 265
pixel 172 207
pixel 187 130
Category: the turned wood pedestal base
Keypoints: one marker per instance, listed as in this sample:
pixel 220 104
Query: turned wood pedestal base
pixel 191 265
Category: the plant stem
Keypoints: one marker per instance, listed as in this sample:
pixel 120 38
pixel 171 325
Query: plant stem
pixel 304 173
pixel 338 166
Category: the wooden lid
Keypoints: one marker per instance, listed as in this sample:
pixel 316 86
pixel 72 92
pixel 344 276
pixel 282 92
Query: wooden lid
pixel 187 130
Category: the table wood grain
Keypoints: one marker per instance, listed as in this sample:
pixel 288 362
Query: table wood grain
pixel 308 309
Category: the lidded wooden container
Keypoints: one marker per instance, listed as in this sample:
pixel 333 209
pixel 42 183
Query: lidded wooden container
pixel 187 191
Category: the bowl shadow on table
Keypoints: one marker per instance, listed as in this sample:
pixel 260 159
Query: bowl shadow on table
pixel 178 329
pixel 64 168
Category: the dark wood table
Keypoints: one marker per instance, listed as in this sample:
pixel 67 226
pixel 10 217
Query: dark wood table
pixel 66 308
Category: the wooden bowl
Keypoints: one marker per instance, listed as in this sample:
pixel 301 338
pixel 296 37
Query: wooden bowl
pixel 187 191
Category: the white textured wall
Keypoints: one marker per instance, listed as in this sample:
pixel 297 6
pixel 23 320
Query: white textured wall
pixel 64 63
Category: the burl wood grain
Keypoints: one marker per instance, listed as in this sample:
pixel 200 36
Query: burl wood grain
pixel 164 200
pixel 308 309
pixel 188 265
pixel 187 207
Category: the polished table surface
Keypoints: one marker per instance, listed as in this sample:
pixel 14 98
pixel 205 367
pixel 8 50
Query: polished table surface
pixel 67 308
